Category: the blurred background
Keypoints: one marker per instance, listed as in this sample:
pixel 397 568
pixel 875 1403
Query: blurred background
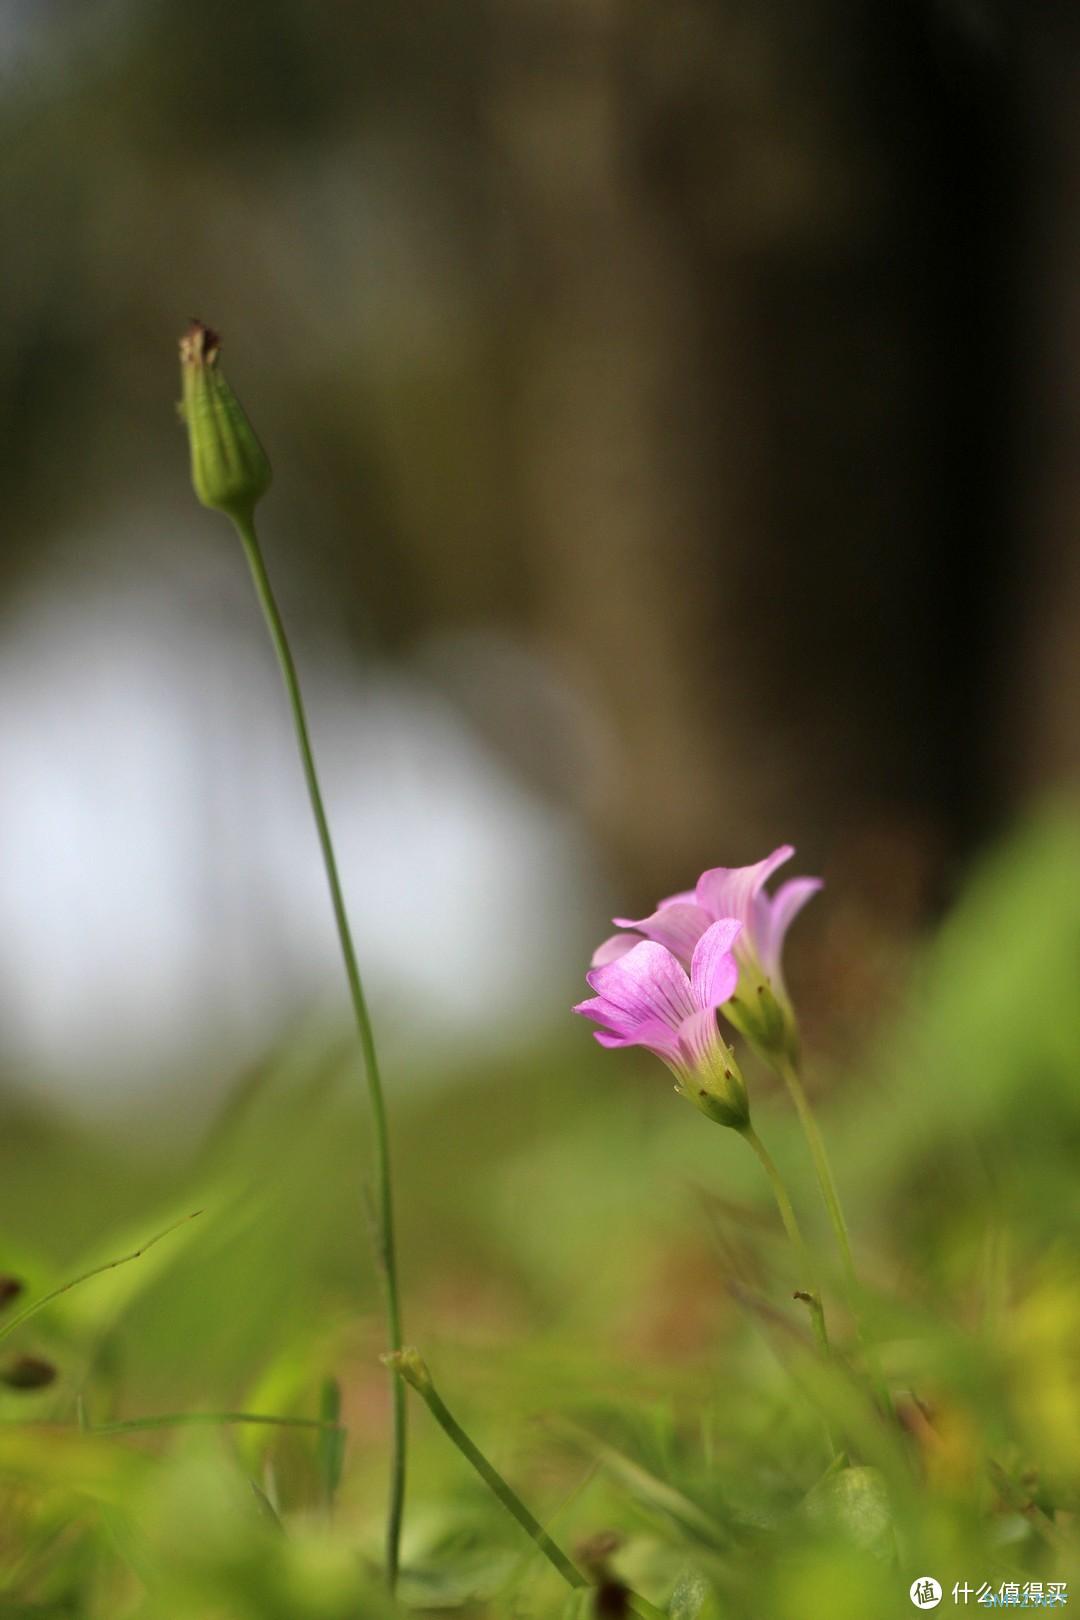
pixel 674 416
pixel 675 413
pixel 675 424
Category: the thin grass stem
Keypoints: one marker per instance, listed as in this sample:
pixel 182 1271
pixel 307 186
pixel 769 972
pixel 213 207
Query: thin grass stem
pixel 181 1420
pixel 36 1305
pixel 413 1370
pixel 411 1367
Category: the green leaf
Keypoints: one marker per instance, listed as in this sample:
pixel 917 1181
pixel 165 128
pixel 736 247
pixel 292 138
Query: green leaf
pixel 854 1503
pixel 693 1598
pixel 330 1451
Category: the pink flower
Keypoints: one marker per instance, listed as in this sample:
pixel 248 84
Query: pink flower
pixel 645 997
pixel 760 1007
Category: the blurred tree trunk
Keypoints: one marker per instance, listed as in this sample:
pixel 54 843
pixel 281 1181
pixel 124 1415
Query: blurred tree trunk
pixel 1044 648
pixel 623 485
pixel 763 411
pixel 684 337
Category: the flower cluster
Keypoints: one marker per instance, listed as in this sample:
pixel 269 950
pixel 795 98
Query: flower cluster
pixel 659 982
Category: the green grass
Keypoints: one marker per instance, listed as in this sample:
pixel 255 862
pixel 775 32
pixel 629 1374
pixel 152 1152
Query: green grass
pixel 602 1289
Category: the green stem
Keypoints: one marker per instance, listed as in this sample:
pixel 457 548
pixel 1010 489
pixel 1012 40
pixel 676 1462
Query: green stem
pixel 415 1371
pixel 812 1295
pixel 412 1368
pixel 827 1182
pixel 822 1168
pixel 641 1606
pixel 386 1254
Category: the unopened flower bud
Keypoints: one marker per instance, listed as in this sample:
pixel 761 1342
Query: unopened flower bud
pixel 28 1372
pixel 229 467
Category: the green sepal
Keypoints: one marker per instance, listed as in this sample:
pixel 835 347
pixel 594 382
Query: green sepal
pixel 765 1019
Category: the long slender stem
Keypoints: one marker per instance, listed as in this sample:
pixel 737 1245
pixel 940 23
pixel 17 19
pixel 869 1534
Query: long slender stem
pixel 412 1368
pixel 789 1073
pixel 812 1294
pixel 822 1168
pixel 386 1251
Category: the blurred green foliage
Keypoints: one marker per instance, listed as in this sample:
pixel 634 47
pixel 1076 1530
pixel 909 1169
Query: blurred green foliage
pixel 595 1277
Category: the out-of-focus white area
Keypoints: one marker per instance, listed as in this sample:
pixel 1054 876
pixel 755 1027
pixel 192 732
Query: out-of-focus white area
pixel 161 891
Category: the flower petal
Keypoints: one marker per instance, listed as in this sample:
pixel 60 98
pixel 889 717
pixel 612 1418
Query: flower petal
pixel 626 1030
pixel 613 948
pixel 685 897
pixel 714 972
pixel 678 924
pixel 653 1034
pixel 606 1038
pixel 699 1040
pixel 595 1007
pixel 781 911
pixel 646 983
pixel 616 1019
pixel 729 891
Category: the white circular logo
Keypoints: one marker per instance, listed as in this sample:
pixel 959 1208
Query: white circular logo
pixel 925 1593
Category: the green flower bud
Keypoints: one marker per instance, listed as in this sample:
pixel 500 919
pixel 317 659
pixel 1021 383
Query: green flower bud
pixel 229 467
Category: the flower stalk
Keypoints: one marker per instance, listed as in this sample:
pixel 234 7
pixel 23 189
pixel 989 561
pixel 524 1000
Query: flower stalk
pixel 788 1071
pixel 386 1254
pixel 811 1295
pixel 230 473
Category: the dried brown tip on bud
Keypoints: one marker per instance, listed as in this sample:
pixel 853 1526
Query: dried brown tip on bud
pixel 10 1288
pixel 28 1372
pixel 229 467
pixel 199 344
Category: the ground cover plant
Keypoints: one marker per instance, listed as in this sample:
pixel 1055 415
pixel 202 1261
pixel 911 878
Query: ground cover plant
pixel 650 1372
